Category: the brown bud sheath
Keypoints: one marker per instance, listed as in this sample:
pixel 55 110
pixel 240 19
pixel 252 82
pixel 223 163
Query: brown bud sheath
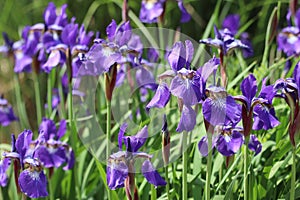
pixel 110 81
pixel 165 142
pixel 229 160
pixel 16 173
pixel 293 6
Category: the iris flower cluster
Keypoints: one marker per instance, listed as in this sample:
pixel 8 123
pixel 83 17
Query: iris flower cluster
pixel 49 44
pixel 289 90
pixel 30 158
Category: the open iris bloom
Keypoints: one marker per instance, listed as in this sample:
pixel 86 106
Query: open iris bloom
pixel 6 113
pixel 289 90
pixel 104 53
pixel 260 108
pixel 121 165
pixel 151 10
pixel 288 39
pixel 224 40
pixel 228 140
pixel 187 84
pixel 32 180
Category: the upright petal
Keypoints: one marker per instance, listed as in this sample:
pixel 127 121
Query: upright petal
pixel 249 88
pixel 189 53
pixel 111 30
pixel 232 23
pixel 177 56
pixel 297 75
pixel 121 135
pixel 152 175
pixel 133 143
pixel 23 142
pixel 185 16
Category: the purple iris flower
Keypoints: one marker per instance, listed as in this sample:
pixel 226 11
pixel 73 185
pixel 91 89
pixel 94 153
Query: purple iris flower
pixel 289 90
pixel 187 85
pixel 32 180
pixel 103 54
pixel 121 164
pixel 228 140
pixel 232 23
pixel 288 39
pixel 151 10
pixel 50 150
pixel 224 40
pixel 261 106
pixel 53 20
pixel 71 41
pixel 6 113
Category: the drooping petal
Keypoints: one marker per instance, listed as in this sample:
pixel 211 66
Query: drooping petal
pixel 264 117
pixel 183 87
pixel 187 119
pixel 220 109
pixel 4 164
pixel 254 144
pixel 33 183
pixel 203 145
pixel 116 175
pixel 151 174
pixel 70 159
pixel 161 97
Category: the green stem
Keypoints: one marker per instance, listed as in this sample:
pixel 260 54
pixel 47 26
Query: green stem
pixel 293 179
pixel 49 94
pixel 37 97
pixel 108 133
pixel 20 104
pixel 153 193
pixel 62 110
pixel 168 183
pixel 51 192
pixel 184 166
pixel 246 164
pixel 208 166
